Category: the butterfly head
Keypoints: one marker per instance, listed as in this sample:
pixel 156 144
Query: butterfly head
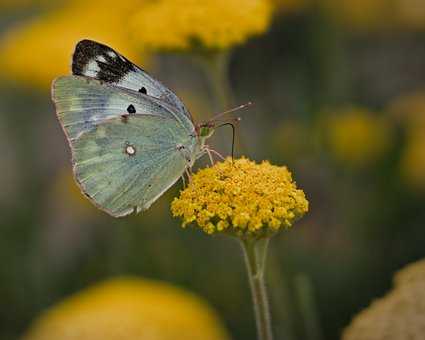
pixel 205 130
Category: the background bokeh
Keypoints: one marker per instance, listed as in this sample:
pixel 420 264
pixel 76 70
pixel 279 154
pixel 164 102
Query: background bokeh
pixel 339 93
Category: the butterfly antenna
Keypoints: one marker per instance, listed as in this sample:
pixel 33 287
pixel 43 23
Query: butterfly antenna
pixel 237 108
pixel 233 133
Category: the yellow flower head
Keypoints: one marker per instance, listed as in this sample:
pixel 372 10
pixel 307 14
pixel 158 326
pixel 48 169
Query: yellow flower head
pixel 358 137
pixel 129 309
pixel 212 25
pixel 399 315
pixel 241 198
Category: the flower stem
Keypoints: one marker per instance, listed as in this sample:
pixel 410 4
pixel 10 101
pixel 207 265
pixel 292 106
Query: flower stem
pixel 255 252
pixel 216 69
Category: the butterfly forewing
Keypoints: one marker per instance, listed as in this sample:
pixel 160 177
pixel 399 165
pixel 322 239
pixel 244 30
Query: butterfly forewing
pixel 83 102
pixel 95 60
pixel 123 166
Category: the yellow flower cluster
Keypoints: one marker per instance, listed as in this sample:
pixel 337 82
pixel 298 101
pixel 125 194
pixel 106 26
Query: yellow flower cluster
pixel 212 25
pixel 357 137
pixel 241 198
pixel 129 309
pixel 400 315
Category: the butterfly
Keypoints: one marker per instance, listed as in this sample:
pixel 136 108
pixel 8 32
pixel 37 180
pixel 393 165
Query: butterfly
pixel 131 138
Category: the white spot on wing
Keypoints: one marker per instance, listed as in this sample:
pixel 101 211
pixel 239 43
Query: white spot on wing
pixel 93 66
pixel 91 69
pixel 130 150
pixel 111 54
pixel 101 58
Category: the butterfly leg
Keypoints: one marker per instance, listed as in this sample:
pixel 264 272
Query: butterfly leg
pixel 183 181
pixel 189 174
pixel 216 153
pixel 210 156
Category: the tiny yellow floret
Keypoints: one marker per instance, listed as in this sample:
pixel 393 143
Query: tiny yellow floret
pixel 241 198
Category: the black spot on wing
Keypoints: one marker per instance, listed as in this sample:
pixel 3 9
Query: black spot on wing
pixel 131 109
pixel 143 90
pixel 112 66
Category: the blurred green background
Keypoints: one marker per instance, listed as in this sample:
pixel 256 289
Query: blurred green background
pixel 339 93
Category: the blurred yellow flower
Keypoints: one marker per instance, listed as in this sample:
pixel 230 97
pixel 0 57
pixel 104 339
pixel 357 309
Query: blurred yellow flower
pixel 411 13
pixel 241 198
pixel 399 315
pixel 413 159
pixel 294 139
pixel 67 192
pixel 362 15
pixel 357 137
pixel 38 51
pixel 411 274
pixel 409 111
pixel 212 25
pixel 129 309
pixel 367 15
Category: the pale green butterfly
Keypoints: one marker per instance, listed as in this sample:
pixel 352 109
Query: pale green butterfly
pixel 131 138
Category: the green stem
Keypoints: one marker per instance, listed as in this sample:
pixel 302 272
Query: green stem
pixel 215 67
pixel 255 256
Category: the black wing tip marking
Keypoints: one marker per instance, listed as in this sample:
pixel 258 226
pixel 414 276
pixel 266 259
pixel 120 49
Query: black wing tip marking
pixel 112 66
pixel 82 54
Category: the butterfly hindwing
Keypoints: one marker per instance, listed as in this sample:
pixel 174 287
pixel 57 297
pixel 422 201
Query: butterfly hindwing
pixel 95 60
pixel 83 102
pixel 124 166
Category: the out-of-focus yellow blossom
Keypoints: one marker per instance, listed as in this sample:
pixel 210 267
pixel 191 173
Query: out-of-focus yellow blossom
pixel 212 25
pixel 129 309
pixel 357 137
pixel 67 192
pixel 411 274
pixel 38 51
pixel 362 15
pixel 293 139
pixel 367 15
pixel 400 315
pixel 241 198
pixel 409 112
pixel 413 159
pixel 410 13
